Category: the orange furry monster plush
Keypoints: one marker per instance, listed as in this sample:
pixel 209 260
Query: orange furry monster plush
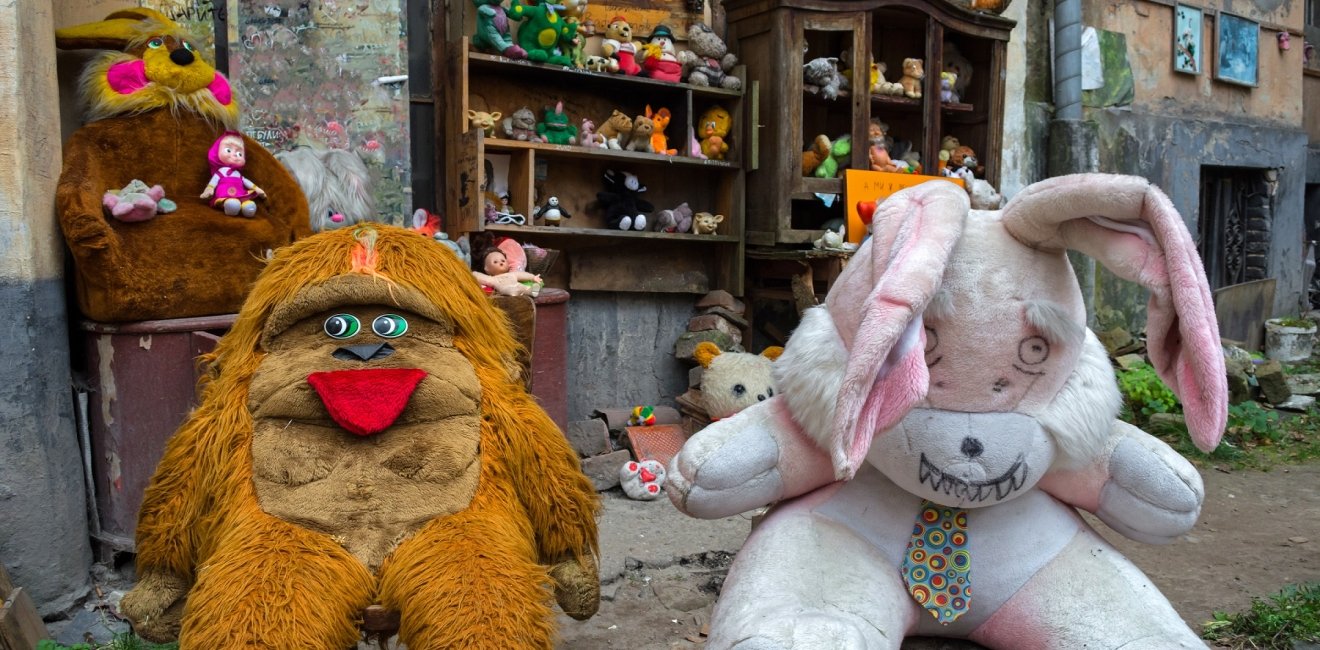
pixel 154 107
pixel 364 438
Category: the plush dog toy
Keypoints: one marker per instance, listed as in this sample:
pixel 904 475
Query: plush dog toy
pixel 154 108
pixel 944 413
pixel 364 437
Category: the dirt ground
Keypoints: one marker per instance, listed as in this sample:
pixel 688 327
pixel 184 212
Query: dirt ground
pixel 1258 531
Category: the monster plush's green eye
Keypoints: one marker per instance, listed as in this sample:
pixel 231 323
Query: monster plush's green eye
pixel 156 43
pixel 342 326
pixel 188 46
pixel 389 325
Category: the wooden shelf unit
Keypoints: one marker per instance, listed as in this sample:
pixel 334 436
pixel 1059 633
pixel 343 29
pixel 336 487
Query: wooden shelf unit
pixel 597 257
pixel 775 38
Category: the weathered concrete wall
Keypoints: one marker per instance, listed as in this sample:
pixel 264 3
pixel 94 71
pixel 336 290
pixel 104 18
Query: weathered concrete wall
pixel 1170 152
pixel 621 349
pixel 43 534
pixel 1311 106
pixel 1158 89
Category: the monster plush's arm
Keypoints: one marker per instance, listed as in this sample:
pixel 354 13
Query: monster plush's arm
pixel 560 501
pixel 1138 485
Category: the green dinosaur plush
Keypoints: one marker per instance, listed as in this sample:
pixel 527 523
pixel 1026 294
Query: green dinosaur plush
pixel 493 30
pixel 541 31
pixel 838 160
pixel 555 128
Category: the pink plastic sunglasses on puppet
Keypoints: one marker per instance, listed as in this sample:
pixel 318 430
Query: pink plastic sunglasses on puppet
pixel 228 189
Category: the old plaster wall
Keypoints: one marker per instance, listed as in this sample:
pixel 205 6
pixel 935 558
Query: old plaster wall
pixel 1164 125
pixel 43 529
pixel 1311 101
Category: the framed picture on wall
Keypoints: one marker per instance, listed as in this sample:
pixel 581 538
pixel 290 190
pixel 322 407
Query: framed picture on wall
pixel 1187 30
pixel 1237 46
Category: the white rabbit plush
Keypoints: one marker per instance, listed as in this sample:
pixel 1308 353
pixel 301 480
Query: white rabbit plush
pixel 943 415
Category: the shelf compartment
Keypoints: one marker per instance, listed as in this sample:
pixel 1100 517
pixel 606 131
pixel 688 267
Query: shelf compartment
pixel 499 64
pixel 607 233
pixel 573 151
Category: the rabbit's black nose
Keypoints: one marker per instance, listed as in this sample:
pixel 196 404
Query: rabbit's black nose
pixel 182 56
pixel 971 447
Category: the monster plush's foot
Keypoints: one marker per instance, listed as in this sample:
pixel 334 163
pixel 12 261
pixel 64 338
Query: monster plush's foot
pixel 838 591
pixel 232 207
pixel 483 593
pixel 248 208
pixel 276 586
pixel 540 56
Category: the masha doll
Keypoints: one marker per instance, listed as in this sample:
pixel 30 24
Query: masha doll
pixel 499 279
pixel 228 189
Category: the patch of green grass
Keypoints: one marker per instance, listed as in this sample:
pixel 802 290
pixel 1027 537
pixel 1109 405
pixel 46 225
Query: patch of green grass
pixel 1276 623
pixel 1256 437
pixel 121 641
pixel 1144 394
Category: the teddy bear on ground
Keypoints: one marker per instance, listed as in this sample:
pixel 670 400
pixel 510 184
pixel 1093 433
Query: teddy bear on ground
pixel 642 480
pixel 817 153
pixel 617 130
pixel 137 202
pixel 713 129
pixel 914 70
pixel 705 223
pixel 621 201
pixel 677 220
pixel 733 381
pixel 933 432
pixel 823 72
pixel 522 126
pixel 708 61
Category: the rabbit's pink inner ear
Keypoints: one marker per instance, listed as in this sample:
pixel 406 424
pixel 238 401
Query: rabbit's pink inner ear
pixel 127 77
pixel 902 383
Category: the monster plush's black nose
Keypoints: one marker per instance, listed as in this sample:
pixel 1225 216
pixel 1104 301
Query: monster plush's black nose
pixel 364 352
pixel 182 56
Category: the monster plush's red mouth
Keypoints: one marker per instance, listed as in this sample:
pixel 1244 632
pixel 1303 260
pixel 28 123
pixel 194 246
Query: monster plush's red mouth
pixel 366 401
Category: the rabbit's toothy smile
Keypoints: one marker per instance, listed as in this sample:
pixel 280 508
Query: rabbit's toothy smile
pixel 1000 487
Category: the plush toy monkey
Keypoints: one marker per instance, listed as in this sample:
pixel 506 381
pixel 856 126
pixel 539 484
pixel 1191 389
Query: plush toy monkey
pixel 364 437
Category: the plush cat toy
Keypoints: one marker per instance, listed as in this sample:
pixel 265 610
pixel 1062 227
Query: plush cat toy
pixel 364 437
pixel 336 183
pixel 943 415
pixel 154 107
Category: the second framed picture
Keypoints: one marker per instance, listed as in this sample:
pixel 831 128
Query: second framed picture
pixel 1188 27
pixel 1237 48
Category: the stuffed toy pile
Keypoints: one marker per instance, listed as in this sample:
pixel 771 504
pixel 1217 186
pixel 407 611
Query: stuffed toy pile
pixel 943 415
pixel 364 437
pixel 154 108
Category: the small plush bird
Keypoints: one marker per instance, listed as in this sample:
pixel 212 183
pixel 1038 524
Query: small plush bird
pixel 642 479
pixel 552 212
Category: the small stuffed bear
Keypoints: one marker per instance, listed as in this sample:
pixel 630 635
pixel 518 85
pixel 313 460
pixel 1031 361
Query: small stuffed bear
pixel 713 128
pixel 824 72
pixel 621 201
pixel 522 126
pixel 879 86
pixel 948 95
pixel 705 223
pixel 678 220
pixel 964 157
pixel 708 61
pixel 733 381
pixel 642 479
pixel 618 46
pixel 913 72
pixel 137 202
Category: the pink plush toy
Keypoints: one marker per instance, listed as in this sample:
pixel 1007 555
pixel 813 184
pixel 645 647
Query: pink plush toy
pixel 942 417
pixel 228 189
pixel 137 202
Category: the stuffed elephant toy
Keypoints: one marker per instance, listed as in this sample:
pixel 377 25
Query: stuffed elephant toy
pixel 942 417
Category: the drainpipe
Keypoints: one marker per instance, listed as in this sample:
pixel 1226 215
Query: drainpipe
pixel 1073 144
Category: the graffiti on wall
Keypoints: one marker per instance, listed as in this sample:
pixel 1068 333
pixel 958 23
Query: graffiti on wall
pixel 307 72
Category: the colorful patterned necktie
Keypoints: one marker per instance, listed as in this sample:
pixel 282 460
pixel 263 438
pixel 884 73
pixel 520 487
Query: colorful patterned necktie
pixel 937 566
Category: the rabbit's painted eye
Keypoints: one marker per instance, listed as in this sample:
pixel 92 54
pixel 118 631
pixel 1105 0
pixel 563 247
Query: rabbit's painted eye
pixel 932 340
pixel 1033 351
pixel 156 43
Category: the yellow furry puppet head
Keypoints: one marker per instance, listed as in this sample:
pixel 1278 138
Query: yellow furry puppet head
pixel 156 66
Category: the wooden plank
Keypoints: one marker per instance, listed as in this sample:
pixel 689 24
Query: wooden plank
pixel 1241 310
pixel 573 151
pixel 599 234
pixel 21 626
pixel 522 182
pixel 6 585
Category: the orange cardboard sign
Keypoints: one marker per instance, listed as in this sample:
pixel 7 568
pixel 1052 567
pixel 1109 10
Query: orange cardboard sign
pixel 865 185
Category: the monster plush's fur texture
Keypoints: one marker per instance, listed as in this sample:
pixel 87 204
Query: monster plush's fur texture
pixel 479 577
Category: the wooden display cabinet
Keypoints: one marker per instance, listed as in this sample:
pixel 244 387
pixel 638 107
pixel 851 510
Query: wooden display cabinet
pixel 598 257
pixel 776 37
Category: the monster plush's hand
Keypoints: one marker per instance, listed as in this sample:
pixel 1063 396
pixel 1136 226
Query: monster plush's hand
pixel 577 587
pixel 1153 495
pixel 752 459
pixel 155 605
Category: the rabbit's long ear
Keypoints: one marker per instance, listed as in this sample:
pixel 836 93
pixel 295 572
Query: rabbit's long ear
pixel 873 329
pixel 1132 228
pixel 114 33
